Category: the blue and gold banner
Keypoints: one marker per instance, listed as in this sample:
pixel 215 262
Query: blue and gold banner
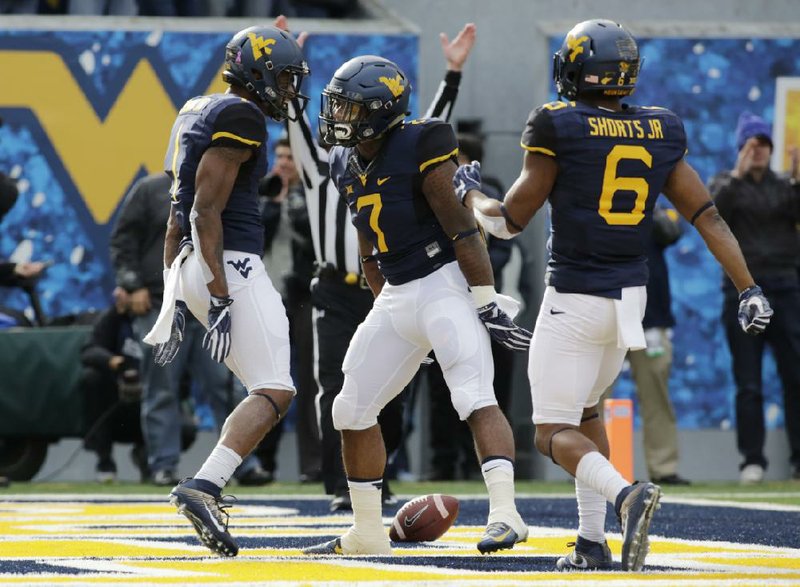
pixel 87 113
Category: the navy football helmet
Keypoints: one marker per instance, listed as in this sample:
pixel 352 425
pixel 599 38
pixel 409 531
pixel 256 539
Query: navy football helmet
pixel 256 58
pixel 596 56
pixel 366 97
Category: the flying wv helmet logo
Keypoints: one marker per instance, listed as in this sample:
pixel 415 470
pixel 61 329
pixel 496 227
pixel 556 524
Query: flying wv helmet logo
pixel 242 266
pixel 394 84
pixel 260 45
pixel 575 46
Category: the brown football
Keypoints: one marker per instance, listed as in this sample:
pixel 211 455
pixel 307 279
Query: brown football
pixel 424 518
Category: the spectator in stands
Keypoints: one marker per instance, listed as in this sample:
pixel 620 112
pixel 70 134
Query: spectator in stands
pixel 19 6
pixel 171 8
pixel 763 212
pixel 137 253
pixel 103 7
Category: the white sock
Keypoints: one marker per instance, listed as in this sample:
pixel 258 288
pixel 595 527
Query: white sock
pixel 591 513
pixel 597 473
pixel 498 474
pixel 367 508
pixel 219 466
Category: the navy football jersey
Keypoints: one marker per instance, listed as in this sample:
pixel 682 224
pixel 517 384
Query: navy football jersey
pixel 220 120
pixel 611 168
pixel 386 202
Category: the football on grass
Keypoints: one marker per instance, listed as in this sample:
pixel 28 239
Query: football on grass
pixel 424 518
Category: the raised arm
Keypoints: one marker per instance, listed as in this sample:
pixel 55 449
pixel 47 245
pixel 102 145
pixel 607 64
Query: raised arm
pixel 455 53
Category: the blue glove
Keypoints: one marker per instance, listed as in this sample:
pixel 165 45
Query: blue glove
pixel 218 337
pixel 467 177
pixel 754 310
pixel 164 352
pixel 502 329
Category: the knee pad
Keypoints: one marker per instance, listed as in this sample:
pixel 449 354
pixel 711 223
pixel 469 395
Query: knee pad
pixel 347 417
pixel 466 402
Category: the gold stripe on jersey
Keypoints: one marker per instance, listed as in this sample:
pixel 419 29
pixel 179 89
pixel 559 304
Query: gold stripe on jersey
pixel 430 162
pixel 538 150
pixel 175 149
pixel 230 135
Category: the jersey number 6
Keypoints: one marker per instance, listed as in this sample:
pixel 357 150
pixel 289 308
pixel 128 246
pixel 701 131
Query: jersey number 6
pixel 612 184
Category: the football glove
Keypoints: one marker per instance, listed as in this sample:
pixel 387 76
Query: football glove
pixel 218 337
pixel 467 177
pixel 165 352
pixel 502 329
pixel 754 310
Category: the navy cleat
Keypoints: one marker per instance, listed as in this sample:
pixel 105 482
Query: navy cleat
pixel 500 536
pixel 586 556
pixel 636 513
pixel 201 502
pixel 327 548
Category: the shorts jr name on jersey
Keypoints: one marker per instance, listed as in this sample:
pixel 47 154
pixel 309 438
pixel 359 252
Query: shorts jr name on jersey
pixel 601 126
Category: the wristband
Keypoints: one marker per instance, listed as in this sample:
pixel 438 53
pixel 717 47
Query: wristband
pixel 483 295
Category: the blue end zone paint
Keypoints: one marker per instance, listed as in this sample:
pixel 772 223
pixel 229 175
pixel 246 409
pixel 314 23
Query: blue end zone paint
pixel 33 567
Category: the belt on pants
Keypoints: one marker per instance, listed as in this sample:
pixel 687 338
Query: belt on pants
pixel 329 272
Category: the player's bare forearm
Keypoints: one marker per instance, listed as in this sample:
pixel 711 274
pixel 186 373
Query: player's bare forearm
pixel 725 248
pixel 216 175
pixel 369 266
pixel 473 260
pixel 208 224
pixel 374 277
pixel 172 239
pixel 459 224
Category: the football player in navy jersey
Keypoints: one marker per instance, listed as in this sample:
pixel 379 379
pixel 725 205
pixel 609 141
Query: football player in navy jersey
pixel 601 165
pixel 428 266
pixel 216 155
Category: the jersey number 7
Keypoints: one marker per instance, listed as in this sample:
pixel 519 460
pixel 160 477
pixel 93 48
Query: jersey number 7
pixel 374 200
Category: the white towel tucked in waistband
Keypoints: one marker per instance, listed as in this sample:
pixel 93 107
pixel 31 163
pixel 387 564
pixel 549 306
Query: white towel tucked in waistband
pixel 172 292
pixel 630 334
pixel 508 304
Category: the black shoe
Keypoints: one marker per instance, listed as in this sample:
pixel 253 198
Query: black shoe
pixel 201 501
pixel 341 503
pixel 106 471
pixel 256 477
pixel 315 477
pixel 673 479
pixel 164 478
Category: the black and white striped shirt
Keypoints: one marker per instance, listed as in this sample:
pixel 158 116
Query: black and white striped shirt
pixel 334 236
